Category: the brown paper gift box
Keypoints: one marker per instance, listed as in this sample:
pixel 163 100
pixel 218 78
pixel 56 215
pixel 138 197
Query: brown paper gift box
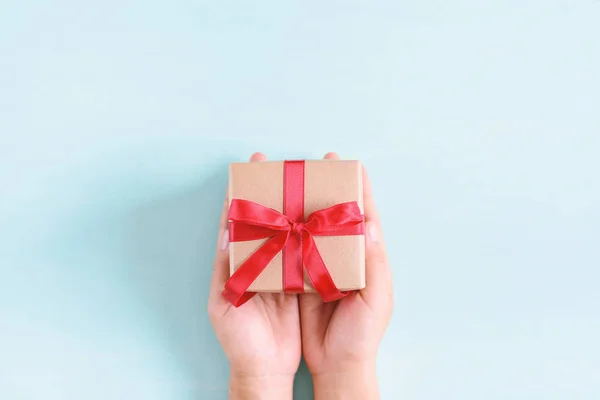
pixel 326 183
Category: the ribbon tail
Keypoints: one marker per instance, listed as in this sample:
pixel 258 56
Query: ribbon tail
pixel 317 271
pixel 236 288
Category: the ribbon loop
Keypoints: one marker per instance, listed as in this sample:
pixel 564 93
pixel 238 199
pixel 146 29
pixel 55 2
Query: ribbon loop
pixel 338 218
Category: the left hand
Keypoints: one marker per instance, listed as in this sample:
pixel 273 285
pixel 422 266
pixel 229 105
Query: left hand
pixel 262 338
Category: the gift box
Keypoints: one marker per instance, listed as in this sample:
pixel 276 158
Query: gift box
pixel 295 226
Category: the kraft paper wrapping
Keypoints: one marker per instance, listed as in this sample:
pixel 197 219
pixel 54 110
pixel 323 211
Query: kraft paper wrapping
pixel 327 183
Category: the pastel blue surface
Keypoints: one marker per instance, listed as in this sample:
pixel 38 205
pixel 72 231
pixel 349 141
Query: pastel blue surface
pixel 479 123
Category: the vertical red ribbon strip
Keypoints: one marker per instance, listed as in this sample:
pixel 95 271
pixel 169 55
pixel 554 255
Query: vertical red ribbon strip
pixel 293 208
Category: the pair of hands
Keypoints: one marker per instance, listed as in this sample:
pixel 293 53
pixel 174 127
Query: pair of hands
pixel 265 338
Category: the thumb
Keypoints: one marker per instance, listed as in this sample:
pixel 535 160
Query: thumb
pixel 378 274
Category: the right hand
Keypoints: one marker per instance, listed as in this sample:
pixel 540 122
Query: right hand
pixel 340 340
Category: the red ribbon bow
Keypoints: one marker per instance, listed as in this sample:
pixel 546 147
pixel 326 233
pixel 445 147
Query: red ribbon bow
pixel 251 221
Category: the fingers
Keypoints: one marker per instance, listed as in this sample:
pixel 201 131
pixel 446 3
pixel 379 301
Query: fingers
pixel 377 271
pixel 331 156
pixel 221 264
pixel 378 275
pixel 258 157
pixel 369 202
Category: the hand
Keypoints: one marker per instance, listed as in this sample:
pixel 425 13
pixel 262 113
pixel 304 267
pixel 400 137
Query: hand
pixel 340 340
pixel 261 339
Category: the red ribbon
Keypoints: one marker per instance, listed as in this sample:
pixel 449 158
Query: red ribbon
pixel 290 233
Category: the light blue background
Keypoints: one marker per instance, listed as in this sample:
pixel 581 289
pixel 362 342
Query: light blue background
pixel 480 125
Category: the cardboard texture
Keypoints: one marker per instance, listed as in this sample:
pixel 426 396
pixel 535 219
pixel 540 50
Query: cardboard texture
pixel 327 183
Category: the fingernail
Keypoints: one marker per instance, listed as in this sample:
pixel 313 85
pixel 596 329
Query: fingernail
pixel 225 240
pixel 373 232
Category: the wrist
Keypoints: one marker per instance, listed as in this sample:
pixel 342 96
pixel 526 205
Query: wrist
pixel 260 387
pixel 346 383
